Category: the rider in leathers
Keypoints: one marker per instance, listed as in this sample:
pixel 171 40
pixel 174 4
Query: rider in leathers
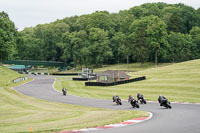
pixel 64 90
pixel 115 97
pixel 131 99
pixel 139 96
pixel 162 99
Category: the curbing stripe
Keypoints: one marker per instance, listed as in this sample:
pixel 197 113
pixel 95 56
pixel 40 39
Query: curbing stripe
pixel 127 122
pixel 103 127
pixel 116 125
pixel 140 118
pixel 136 121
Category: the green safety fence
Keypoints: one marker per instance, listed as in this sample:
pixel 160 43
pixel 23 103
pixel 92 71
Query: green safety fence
pixel 35 63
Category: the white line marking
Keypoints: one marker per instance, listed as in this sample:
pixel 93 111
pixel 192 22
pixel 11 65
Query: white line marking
pixel 136 121
pixel 115 125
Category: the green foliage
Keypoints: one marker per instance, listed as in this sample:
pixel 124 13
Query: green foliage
pixel 117 44
pixel 156 36
pixel 100 46
pixel 8 37
pixel 100 20
pixel 181 46
pixel 148 33
pixel 138 12
pixel 195 34
pixel 136 35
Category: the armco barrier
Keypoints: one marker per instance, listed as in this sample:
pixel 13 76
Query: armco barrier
pixel 64 74
pixel 38 73
pixel 80 79
pixel 114 83
pixel 19 79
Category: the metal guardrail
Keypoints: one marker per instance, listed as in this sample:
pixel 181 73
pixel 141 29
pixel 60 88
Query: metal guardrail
pixel 65 74
pixel 20 79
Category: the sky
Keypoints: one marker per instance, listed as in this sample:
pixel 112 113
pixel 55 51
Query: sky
pixel 29 13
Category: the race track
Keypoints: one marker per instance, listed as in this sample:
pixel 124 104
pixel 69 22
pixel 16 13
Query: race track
pixel 182 118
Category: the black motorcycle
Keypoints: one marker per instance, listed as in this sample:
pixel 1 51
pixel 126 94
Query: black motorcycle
pixel 118 101
pixel 64 91
pixel 134 104
pixel 142 100
pixel 166 104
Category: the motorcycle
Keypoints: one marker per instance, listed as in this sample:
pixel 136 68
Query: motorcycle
pixel 134 104
pixel 142 100
pixel 118 101
pixel 64 92
pixel 166 104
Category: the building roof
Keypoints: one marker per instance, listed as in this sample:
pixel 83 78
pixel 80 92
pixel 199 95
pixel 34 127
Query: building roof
pixel 114 73
pixel 17 67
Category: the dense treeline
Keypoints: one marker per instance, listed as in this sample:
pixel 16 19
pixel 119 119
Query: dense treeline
pixel 157 32
pixel 9 37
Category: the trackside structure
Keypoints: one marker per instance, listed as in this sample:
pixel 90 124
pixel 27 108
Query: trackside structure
pixel 24 65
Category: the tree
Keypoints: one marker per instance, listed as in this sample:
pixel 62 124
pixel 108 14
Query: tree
pixel 180 47
pixel 82 22
pixel 67 47
pixel 138 39
pixel 188 16
pixel 59 28
pixel 153 8
pixel 71 21
pixel 99 46
pixel 8 34
pixel 197 13
pixel 125 20
pixel 172 18
pixel 48 38
pixel 148 33
pixel 138 34
pixel 156 36
pixel 31 48
pixel 101 20
pixel 195 34
pixel 79 41
pixel 138 12
pixel 116 45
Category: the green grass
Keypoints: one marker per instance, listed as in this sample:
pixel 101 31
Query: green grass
pixel 19 113
pixel 7 76
pixel 178 82
pixel 133 67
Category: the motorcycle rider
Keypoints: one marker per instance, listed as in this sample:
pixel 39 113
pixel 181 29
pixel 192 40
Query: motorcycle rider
pixel 131 99
pixel 162 99
pixel 115 97
pixel 64 90
pixel 140 96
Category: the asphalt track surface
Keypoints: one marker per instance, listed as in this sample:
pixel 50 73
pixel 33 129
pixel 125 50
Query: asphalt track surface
pixel 182 118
